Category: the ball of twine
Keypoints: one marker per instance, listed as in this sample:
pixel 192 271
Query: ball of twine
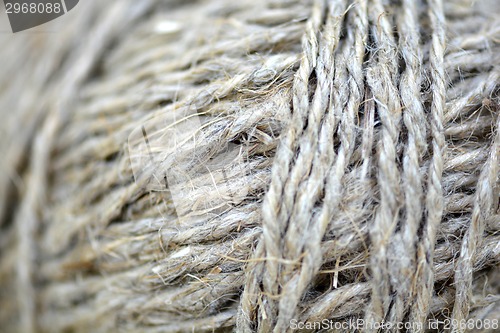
pixel 174 166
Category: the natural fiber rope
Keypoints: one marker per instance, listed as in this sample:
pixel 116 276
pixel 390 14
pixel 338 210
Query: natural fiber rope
pixel 367 186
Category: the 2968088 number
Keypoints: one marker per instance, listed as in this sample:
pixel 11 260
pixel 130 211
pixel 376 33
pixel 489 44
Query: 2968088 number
pixel 33 8
pixel 470 324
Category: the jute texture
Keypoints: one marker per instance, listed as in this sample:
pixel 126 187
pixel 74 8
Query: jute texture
pixel 366 183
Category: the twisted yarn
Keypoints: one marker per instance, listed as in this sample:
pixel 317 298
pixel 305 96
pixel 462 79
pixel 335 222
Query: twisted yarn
pixel 365 183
